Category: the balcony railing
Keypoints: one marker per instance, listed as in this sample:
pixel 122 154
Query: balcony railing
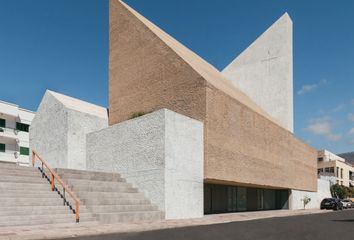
pixel 9 132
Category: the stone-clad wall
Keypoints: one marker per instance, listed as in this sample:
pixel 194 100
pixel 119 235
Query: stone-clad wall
pixel 58 132
pixel 161 154
pixel 143 72
pixel 244 147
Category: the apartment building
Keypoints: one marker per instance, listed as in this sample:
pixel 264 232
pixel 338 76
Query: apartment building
pixel 14 127
pixel 330 164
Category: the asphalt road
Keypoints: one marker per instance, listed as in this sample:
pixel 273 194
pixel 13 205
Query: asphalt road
pixel 332 225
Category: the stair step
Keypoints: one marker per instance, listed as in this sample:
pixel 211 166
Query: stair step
pixel 88 175
pixel 115 201
pixel 85 172
pixel 4 186
pixel 16 167
pixel 35 217
pixel 109 195
pixel 15 172
pixel 117 186
pixel 30 201
pixel 121 208
pixel 22 179
pixel 74 182
pixel 37 210
pixel 30 194
pixel 130 216
pixel 47 220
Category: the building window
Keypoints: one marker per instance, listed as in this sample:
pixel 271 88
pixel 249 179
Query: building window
pixel 22 127
pixel 320 159
pixel 341 173
pixel 341 182
pixel 2 122
pixel 2 147
pixel 331 170
pixel 24 151
pixel 327 170
pixel 337 172
pixel 320 170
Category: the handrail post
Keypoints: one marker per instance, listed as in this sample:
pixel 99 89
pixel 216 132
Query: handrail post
pixel 77 212
pixel 33 158
pixel 52 183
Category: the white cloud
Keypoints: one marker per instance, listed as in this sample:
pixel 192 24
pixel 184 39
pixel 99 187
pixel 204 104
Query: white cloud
pixel 311 87
pixel 306 88
pixel 323 127
pixel 351 117
pixel 351 131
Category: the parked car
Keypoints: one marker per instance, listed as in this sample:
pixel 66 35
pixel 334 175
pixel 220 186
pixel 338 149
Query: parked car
pixel 347 203
pixel 331 203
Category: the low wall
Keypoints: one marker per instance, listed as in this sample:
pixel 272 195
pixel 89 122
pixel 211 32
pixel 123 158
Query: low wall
pixel 323 191
pixel 161 153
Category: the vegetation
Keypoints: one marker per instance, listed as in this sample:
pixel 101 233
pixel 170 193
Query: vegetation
pixel 138 114
pixel 306 200
pixel 342 192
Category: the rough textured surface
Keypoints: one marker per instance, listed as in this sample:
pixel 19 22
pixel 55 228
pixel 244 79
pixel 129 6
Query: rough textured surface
pixel 323 191
pixel 244 147
pixel 161 153
pixel 242 144
pixel 264 71
pixel 58 131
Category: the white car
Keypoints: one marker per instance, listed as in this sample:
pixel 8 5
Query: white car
pixel 347 203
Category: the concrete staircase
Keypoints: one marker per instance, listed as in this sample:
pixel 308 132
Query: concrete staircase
pixel 109 197
pixel 27 199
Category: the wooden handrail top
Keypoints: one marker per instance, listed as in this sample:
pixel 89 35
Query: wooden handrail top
pixel 57 177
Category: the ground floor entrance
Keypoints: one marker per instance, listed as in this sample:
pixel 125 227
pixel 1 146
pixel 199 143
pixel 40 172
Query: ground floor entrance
pixel 224 198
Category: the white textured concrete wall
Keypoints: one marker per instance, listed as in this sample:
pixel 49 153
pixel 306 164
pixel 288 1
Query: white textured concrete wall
pixel 264 71
pixel 48 132
pixel 58 132
pixel 323 191
pixel 161 153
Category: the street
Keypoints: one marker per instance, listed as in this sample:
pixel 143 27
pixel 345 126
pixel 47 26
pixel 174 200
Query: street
pixel 332 225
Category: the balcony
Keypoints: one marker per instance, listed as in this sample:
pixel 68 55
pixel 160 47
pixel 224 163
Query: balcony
pixel 14 156
pixel 9 133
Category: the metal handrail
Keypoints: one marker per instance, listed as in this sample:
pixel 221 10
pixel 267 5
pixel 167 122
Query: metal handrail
pixel 55 177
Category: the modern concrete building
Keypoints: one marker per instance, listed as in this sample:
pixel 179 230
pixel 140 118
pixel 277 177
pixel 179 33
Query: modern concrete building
pixel 63 123
pixel 252 160
pixel 330 164
pixel 14 126
pixel 203 145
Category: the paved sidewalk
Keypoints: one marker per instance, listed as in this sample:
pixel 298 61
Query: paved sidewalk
pixel 87 229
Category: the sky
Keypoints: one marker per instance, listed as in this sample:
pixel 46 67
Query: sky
pixel 62 45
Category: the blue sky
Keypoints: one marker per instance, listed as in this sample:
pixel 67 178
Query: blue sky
pixel 63 45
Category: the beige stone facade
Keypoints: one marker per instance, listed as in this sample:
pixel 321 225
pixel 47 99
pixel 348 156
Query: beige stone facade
pixel 332 165
pixel 149 70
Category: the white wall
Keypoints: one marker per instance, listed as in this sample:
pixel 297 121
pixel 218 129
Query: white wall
pixel 58 133
pixel 323 191
pixel 161 153
pixel 264 71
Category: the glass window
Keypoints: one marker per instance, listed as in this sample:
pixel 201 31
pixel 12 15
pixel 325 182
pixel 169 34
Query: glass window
pixel 320 159
pixel 241 199
pixel 24 151
pixel 331 170
pixel 327 169
pixel 2 122
pixel 337 172
pixel 2 147
pixel 341 173
pixel 22 127
pixel 320 170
